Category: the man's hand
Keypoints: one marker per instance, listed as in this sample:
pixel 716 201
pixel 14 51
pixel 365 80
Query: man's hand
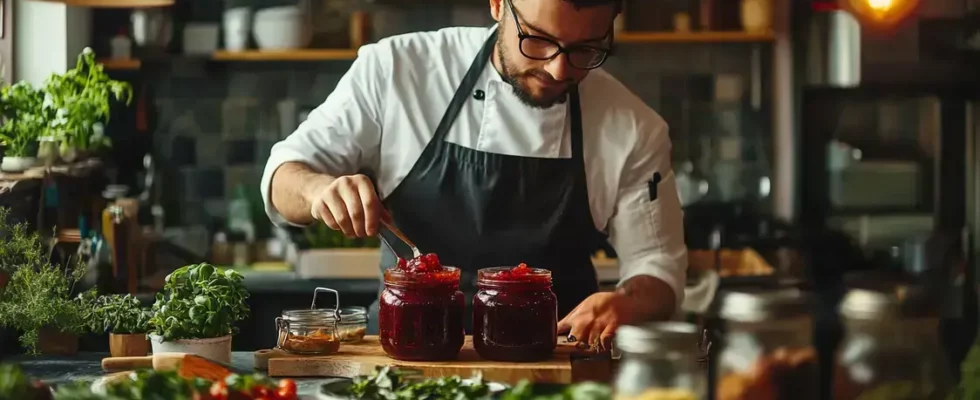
pixel 595 320
pixel 347 203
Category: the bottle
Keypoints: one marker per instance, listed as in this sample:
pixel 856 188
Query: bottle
pixel 121 45
pixel 240 215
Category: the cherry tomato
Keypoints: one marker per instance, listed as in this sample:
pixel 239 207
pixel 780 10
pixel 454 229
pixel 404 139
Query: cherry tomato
pixel 219 391
pixel 260 391
pixel 287 389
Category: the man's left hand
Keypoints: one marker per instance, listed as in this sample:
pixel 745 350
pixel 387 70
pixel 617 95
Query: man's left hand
pixel 595 320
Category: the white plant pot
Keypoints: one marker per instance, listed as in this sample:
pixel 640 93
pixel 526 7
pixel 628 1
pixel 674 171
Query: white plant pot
pixel 17 164
pixel 217 349
pixel 339 263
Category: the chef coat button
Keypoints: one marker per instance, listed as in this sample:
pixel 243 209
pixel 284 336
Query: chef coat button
pixel 479 95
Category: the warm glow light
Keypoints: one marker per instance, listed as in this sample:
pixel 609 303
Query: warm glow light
pixel 883 13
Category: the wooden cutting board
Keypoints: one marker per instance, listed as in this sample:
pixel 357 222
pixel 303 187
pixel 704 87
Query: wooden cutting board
pixel 361 358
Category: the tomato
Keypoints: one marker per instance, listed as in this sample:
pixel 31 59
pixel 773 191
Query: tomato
pixel 219 391
pixel 287 389
pixel 260 391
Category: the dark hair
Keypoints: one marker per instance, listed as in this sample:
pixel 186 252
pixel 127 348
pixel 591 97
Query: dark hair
pixel 595 3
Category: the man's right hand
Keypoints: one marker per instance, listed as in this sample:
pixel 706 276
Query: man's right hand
pixel 348 204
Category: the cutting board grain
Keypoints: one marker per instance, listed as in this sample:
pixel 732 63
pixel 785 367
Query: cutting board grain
pixel 361 358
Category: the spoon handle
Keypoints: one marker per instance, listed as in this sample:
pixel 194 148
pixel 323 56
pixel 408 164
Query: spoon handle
pixel 401 236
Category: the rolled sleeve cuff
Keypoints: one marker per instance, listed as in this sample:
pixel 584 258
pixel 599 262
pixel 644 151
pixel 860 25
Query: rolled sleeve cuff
pixel 276 160
pixel 675 277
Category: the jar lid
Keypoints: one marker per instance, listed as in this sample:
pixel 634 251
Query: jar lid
pixel 307 315
pixel 647 338
pixel 353 314
pixel 746 306
pixel 898 302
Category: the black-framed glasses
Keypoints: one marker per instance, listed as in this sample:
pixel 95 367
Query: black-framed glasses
pixel 540 48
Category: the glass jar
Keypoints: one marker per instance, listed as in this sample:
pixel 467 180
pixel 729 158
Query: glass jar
pixel 515 317
pixel 660 361
pixel 767 348
pixel 353 324
pixel 890 350
pixel 310 332
pixel 420 316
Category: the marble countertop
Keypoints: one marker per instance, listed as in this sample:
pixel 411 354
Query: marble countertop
pixel 88 366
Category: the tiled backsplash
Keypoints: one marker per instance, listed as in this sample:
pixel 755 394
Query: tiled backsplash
pixel 218 121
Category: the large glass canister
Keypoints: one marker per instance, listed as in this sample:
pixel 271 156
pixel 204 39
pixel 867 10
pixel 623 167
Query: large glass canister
pixel 767 348
pixel 890 349
pixel 660 361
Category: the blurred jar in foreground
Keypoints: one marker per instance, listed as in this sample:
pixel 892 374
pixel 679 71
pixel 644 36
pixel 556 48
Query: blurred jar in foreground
pixel 890 349
pixel 660 362
pixel 767 351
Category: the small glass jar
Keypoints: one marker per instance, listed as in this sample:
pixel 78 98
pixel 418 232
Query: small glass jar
pixel 890 350
pixel 767 348
pixel 660 361
pixel 353 324
pixel 420 316
pixel 515 318
pixel 309 332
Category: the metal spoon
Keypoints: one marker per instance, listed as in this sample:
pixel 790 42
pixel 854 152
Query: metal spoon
pixel 401 236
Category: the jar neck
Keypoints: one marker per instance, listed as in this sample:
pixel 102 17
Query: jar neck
pixel 923 331
pixel 797 332
pixel 416 286
pixel 530 285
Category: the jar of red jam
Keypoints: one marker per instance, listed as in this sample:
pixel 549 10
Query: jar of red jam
pixel 420 316
pixel 515 314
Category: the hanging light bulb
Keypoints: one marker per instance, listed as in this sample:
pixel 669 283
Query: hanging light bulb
pixel 883 13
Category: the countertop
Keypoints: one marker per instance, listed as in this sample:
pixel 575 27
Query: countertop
pixel 88 366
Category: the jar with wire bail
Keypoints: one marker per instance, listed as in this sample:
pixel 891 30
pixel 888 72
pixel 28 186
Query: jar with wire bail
pixel 312 331
pixel 352 325
pixel 891 348
pixel 767 347
pixel 660 361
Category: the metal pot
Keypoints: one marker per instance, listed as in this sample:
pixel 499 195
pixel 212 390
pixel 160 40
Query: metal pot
pixel 152 28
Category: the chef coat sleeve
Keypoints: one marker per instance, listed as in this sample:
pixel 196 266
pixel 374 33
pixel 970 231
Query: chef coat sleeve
pixel 646 228
pixel 342 136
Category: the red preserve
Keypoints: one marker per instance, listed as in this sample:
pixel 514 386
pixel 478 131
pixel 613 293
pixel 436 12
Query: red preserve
pixel 515 314
pixel 421 311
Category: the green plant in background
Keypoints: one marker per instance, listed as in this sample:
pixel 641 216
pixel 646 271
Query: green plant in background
pixel 121 315
pixel 23 119
pixel 199 301
pixel 320 236
pixel 81 99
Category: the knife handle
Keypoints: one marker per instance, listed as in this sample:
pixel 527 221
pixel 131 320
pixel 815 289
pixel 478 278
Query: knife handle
pixel 115 364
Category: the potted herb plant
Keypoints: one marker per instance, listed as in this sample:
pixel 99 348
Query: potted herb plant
pixel 37 302
pixel 82 99
pixel 22 121
pixel 322 246
pixel 197 311
pixel 127 323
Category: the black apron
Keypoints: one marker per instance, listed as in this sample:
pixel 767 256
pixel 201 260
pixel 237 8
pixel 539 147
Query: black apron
pixel 476 209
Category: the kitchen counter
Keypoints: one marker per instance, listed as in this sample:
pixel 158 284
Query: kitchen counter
pixel 88 366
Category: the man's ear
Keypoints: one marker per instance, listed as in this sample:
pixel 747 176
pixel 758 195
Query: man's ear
pixel 497 9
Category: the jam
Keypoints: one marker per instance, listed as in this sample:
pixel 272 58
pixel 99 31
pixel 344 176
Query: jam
pixel 515 314
pixel 421 311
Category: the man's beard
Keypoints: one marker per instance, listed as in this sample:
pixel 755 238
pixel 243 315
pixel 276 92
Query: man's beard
pixel 511 77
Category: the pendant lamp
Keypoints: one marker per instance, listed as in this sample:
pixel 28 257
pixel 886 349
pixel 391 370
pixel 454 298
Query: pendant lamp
pixel 882 14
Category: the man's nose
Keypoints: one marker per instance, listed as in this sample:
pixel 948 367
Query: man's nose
pixel 558 68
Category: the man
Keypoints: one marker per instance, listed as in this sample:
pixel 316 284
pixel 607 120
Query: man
pixel 492 147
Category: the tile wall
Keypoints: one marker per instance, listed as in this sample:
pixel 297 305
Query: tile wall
pixel 218 121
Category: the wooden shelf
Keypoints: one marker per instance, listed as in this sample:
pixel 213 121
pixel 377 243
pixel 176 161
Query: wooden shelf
pixel 114 3
pixel 694 37
pixel 127 64
pixel 287 55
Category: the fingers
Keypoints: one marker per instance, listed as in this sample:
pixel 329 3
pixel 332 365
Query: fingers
pixel 581 332
pixel 373 210
pixel 340 214
pixel 355 211
pixel 606 338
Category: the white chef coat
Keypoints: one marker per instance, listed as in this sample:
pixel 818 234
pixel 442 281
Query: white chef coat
pixel 387 106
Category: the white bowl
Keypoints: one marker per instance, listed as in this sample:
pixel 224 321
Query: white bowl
pixel 281 28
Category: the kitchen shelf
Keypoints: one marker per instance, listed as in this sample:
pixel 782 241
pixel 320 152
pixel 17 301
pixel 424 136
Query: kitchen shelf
pixel 125 64
pixel 114 3
pixel 287 55
pixel 694 37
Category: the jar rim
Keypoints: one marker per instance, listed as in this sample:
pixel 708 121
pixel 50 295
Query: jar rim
pixel 396 277
pixel 763 305
pixel 535 276
pixel 650 337
pixel 310 315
